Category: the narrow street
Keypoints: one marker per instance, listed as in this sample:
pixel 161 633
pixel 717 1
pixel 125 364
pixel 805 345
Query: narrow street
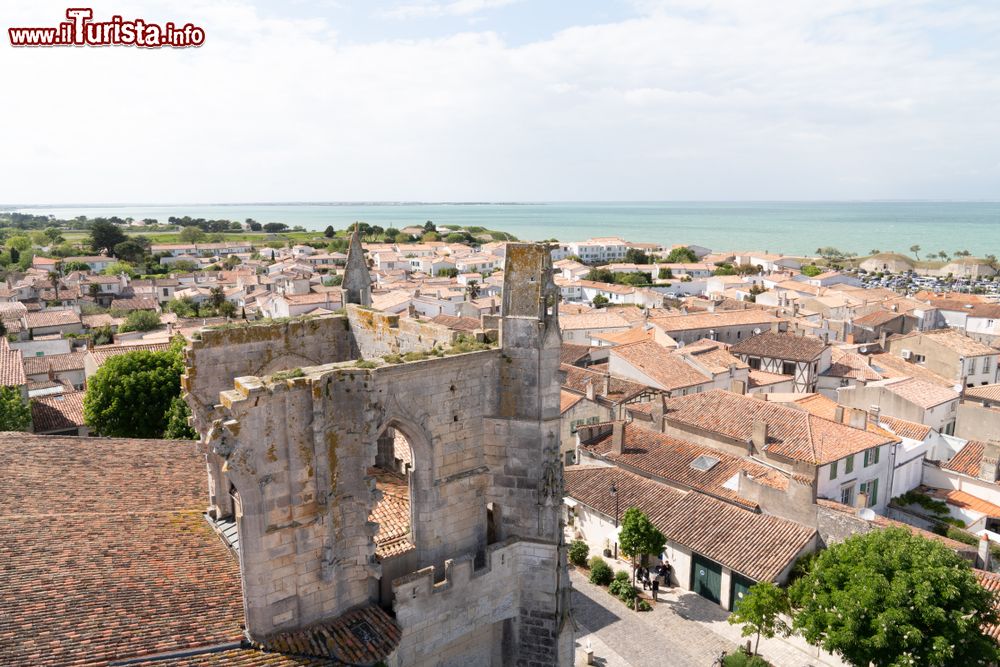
pixel 682 630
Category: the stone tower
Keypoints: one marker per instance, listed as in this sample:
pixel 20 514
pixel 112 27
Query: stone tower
pixel 481 575
pixel 357 283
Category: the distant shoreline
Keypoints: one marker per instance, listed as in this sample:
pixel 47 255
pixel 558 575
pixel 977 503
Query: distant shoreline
pixel 794 228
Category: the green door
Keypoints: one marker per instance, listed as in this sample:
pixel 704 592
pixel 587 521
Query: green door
pixel 739 588
pixel 706 578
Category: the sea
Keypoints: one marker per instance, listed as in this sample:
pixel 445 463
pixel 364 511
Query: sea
pixel 787 227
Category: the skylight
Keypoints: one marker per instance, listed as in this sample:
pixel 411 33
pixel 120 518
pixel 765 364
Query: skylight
pixel 704 463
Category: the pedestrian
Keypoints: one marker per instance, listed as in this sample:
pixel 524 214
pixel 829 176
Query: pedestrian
pixel 656 588
pixel 644 577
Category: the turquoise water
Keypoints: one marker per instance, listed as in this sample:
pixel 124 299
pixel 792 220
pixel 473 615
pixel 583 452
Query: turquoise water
pixel 789 227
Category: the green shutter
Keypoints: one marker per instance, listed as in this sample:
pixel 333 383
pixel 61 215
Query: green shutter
pixel 849 464
pixel 875 453
pixel 873 498
pixel 833 470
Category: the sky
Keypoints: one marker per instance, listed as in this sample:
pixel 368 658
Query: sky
pixel 510 100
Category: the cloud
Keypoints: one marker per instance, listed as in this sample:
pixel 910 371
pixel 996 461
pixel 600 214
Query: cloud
pixel 704 101
pixel 435 9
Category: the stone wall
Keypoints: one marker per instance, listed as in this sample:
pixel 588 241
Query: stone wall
pixel 436 616
pixel 259 349
pixel 377 334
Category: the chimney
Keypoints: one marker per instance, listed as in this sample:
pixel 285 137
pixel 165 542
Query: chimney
pixel 881 340
pixel 759 437
pixel 858 418
pixel 989 464
pixel 605 385
pixel 618 438
pixel 838 414
pixel 775 327
pixel 738 387
pixel 657 413
pixel 873 412
pixel 590 390
pixel 984 553
pixel 861 500
pixel 826 337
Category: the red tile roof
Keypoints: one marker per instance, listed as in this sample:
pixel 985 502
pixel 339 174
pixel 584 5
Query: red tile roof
pixel 669 371
pixel 775 345
pixel 102 353
pixel 60 412
pixel 987 392
pixel 51 318
pixel 591 485
pixel 107 559
pixel 793 434
pixel 759 546
pixel 57 363
pixel 670 459
pixel 968 459
pixel 11 366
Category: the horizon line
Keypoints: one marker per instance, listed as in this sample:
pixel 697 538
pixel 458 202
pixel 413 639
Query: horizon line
pixel 514 202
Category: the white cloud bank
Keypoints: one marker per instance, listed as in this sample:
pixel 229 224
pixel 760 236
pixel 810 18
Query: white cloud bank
pixel 846 99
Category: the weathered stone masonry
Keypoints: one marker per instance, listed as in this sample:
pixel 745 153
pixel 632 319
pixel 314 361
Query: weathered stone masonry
pixel 288 455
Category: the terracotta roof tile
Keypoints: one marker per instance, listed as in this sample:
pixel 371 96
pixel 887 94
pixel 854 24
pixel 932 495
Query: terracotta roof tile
pixel 51 318
pixel 726 318
pixel 965 501
pixel 918 392
pixel 57 413
pixel 57 363
pixel 778 345
pixel 108 558
pixel 670 459
pixel 618 390
pixel 102 353
pixel 968 459
pixel 669 371
pixel 987 392
pixel 11 366
pixel 591 485
pixel 793 434
pixel 850 365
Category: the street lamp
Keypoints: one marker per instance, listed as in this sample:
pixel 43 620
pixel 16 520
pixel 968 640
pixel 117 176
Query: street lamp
pixel 614 494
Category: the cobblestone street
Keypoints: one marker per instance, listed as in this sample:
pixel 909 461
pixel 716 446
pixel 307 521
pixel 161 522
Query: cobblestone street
pixel 683 630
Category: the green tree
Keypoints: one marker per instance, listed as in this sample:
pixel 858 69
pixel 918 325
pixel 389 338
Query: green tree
pixel 915 249
pixel 329 232
pixel 140 320
pixel 69 267
pixel 665 274
pixel 183 307
pixel 636 256
pixel 578 552
pixel 600 301
pixel 177 421
pixel 102 335
pixel 129 396
pixel 600 276
pixel 430 237
pixel 639 537
pixel 472 289
pixel 811 270
pixel 15 414
pixel 760 612
pixel 119 268
pixel 19 243
pixel 131 251
pixel 191 235
pixel 892 598
pixel 105 236
pixel 216 297
pixel 681 256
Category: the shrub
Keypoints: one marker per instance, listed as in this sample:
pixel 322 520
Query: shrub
pixel 644 606
pixel 741 659
pixel 578 552
pixel 600 572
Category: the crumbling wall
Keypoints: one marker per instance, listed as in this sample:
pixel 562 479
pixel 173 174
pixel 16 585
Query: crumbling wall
pixel 377 334
pixel 306 546
pixel 258 349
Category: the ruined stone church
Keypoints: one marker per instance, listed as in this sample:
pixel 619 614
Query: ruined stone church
pixel 390 482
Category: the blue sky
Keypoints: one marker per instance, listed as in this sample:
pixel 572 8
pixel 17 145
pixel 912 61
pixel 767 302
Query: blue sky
pixel 320 100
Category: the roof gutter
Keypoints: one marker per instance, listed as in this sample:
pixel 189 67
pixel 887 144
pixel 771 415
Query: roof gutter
pixel 173 655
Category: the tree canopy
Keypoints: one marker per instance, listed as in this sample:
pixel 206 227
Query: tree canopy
pixel 105 236
pixel 760 612
pixel 131 394
pixel 681 256
pixel 140 320
pixel 892 598
pixel 15 414
pixel 638 535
